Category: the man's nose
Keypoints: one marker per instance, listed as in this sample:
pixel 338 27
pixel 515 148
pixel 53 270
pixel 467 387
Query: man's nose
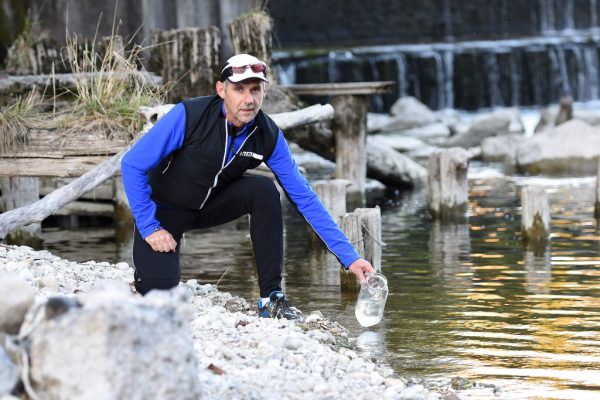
pixel 249 98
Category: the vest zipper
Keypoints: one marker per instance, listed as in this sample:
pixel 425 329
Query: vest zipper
pixel 168 165
pixel 223 165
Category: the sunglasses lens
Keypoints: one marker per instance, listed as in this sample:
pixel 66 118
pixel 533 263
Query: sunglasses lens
pixel 256 68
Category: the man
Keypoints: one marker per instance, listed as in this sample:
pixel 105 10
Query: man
pixel 187 173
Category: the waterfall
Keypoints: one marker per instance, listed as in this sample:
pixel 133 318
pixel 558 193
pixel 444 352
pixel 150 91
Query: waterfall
pixel 547 21
pixel 447 12
pixel 593 14
pixel 493 79
pixel 376 100
pixel 590 56
pixel 449 80
pixel 400 61
pixel 569 17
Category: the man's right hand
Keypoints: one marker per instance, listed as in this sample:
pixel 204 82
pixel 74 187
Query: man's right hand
pixel 162 241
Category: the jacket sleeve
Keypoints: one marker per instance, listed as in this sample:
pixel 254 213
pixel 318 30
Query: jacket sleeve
pixel 163 138
pixel 308 204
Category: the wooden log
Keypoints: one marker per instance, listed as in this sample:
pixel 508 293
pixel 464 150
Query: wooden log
pixel 350 132
pixel 370 221
pixel 36 212
pixel 352 227
pixel 447 184
pixel 19 192
pixel 188 59
pixel 252 34
pixel 87 209
pixel 39 57
pixel 535 220
pixel 339 89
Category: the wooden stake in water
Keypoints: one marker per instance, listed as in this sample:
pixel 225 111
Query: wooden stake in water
pixel 18 192
pixel 332 194
pixel 370 220
pixel 535 222
pixel 447 184
pixel 351 226
pixel 350 131
pixel 597 205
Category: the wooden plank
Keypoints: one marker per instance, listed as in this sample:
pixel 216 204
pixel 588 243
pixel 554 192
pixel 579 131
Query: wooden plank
pixel 336 89
pixel 86 208
pixel 65 167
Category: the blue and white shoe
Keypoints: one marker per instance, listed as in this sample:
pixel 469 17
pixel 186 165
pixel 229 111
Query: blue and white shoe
pixel 278 307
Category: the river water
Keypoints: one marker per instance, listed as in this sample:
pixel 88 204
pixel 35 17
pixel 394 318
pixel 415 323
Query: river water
pixel 465 300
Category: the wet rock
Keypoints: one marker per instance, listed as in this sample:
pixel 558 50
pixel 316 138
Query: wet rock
pixel 390 167
pixel 9 373
pixel 17 296
pixel 492 124
pixel 499 148
pixel 570 148
pixel 458 383
pixel 413 112
pixel 116 345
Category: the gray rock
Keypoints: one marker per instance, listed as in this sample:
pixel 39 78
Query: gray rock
pixel 9 373
pixel 493 124
pixel 115 346
pixel 413 112
pixel 499 148
pixel 17 296
pixel 570 148
pixel 399 142
pixel 390 167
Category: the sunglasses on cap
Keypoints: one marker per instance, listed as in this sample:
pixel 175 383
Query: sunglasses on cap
pixel 231 70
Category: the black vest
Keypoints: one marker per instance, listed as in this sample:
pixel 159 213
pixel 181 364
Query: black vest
pixel 190 175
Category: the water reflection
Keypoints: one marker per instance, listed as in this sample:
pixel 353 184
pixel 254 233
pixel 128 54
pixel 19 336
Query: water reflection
pixel 538 270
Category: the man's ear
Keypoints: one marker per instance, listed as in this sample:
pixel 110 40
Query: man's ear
pixel 220 89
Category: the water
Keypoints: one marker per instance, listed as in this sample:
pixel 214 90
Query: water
pixel 464 300
pixel 369 312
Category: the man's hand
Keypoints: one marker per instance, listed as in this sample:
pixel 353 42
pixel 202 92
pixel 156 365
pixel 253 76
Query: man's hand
pixel 361 267
pixel 162 241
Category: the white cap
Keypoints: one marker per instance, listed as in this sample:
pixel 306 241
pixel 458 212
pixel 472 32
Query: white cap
pixel 243 60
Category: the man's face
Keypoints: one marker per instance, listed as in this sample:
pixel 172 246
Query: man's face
pixel 242 100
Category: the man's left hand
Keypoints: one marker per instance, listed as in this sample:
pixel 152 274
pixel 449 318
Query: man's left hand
pixel 361 267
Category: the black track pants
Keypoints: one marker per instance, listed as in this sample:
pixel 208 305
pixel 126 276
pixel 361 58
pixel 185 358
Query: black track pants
pixel 254 195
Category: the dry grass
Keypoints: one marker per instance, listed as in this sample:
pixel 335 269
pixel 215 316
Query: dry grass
pixel 110 89
pixel 16 120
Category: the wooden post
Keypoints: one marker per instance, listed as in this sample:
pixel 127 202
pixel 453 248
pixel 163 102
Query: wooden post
pixel 252 34
pixel 351 226
pixel 535 221
pixel 597 205
pixel 447 184
pixel 187 58
pixel 350 132
pixel 333 195
pixel 370 220
pixel 122 216
pixel 18 192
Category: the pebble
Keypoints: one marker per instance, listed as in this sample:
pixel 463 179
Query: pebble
pixel 259 356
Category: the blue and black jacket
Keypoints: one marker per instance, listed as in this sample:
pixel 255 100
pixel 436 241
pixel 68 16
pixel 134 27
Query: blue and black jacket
pixel 190 152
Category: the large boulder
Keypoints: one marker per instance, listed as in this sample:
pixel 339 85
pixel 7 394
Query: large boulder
pixel 114 346
pixel 390 167
pixel 501 148
pixel 486 125
pixel 17 296
pixel 570 148
pixel 406 113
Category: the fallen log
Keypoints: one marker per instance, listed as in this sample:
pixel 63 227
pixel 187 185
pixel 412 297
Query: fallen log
pixel 38 211
pixel 13 85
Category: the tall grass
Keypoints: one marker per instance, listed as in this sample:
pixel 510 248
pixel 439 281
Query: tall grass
pixel 17 119
pixel 109 87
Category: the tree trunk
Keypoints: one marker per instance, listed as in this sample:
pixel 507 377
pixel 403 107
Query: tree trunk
pixel 188 59
pixel 252 34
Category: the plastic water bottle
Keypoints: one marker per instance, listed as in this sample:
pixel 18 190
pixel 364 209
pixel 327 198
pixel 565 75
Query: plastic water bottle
pixel 371 300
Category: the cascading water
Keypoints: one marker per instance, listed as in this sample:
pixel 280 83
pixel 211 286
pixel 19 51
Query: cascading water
pixel 465 75
pixel 559 57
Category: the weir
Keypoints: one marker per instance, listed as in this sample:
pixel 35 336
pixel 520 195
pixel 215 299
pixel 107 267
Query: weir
pixel 464 75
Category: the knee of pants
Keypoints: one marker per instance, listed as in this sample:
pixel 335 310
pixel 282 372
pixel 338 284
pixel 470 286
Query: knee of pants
pixel 145 285
pixel 265 192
